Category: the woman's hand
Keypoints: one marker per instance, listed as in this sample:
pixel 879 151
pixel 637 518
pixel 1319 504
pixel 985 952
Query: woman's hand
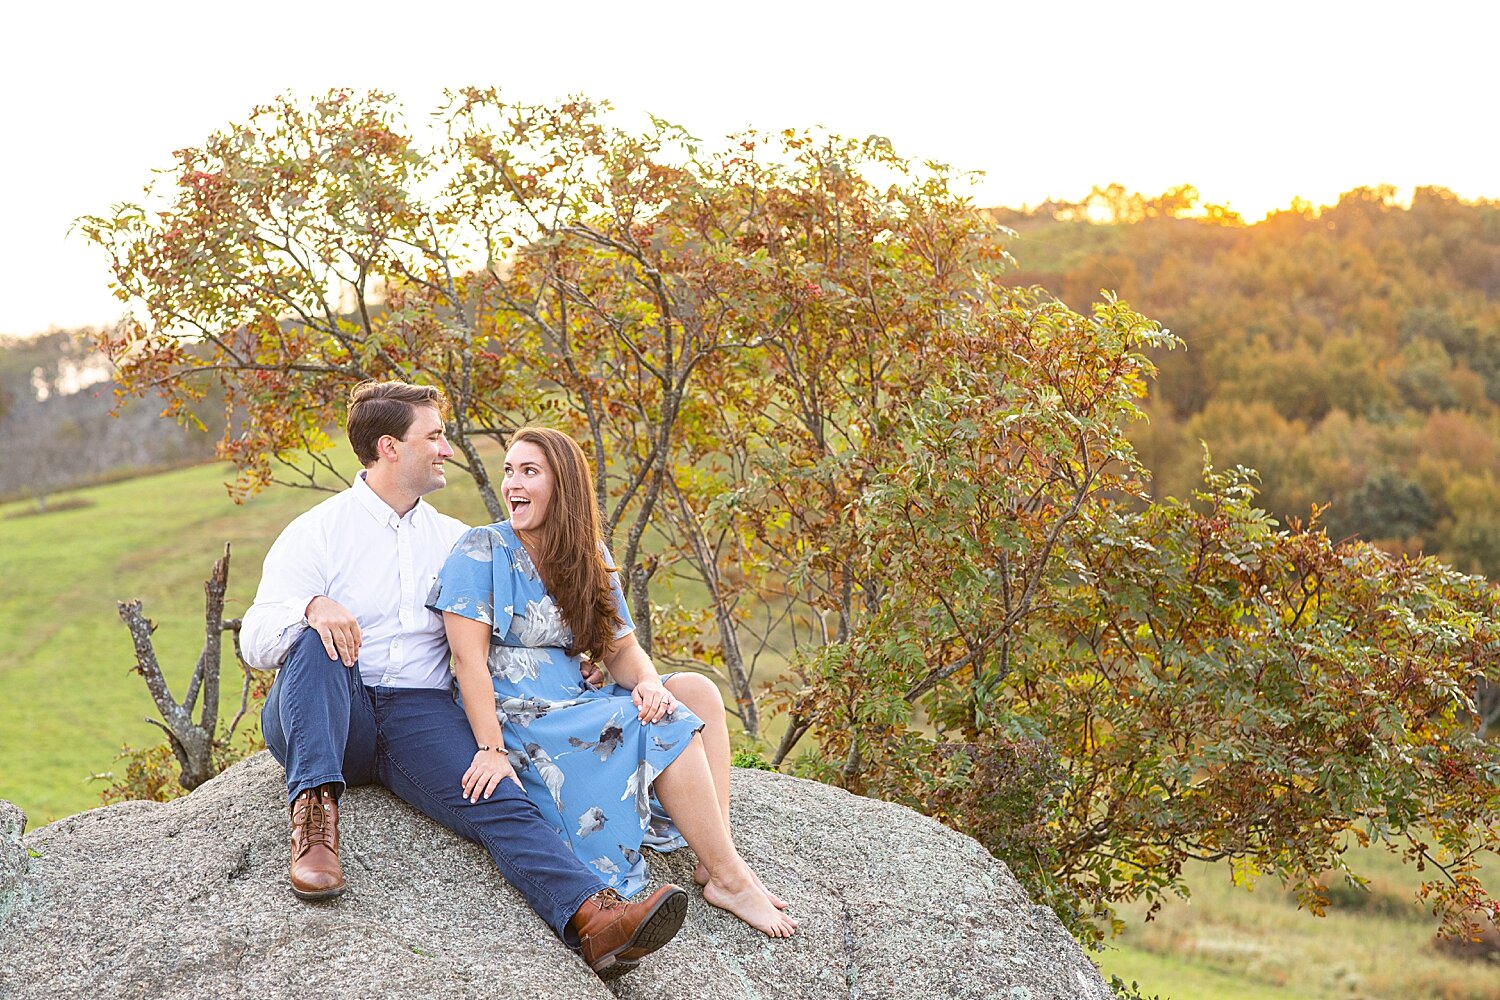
pixel 631 668
pixel 490 767
pixel 652 699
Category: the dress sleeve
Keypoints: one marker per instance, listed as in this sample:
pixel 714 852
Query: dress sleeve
pixel 475 582
pixel 627 623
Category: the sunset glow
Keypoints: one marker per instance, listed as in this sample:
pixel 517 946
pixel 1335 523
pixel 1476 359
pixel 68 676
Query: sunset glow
pixel 1254 107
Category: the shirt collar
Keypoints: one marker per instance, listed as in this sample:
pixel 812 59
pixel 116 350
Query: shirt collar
pixel 378 508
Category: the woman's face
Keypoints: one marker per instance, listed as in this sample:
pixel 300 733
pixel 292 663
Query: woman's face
pixel 527 486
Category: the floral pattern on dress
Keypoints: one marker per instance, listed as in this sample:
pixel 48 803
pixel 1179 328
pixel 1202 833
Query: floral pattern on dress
pixel 583 755
pixel 477 547
pixel 511 663
pixel 521 559
pixel 543 624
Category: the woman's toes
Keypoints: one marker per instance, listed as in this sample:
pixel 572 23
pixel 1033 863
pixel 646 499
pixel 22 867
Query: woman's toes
pixel 776 900
pixel 748 902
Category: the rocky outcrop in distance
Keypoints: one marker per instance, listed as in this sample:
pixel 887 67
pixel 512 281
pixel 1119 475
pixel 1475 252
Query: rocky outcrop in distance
pixel 189 898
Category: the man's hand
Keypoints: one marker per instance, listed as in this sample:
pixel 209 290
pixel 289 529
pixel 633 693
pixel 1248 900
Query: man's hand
pixel 490 767
pixel 338 629
pixel 593 673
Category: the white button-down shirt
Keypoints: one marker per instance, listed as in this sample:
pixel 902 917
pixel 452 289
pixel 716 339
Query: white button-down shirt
pixel 355 549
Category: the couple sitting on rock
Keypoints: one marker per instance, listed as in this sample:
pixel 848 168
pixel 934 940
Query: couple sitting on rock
pixel 562 778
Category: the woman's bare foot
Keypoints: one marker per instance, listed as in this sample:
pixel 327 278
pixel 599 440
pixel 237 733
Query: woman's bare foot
pixel 700 876
pixel 742 896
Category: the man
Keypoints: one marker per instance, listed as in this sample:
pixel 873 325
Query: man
pixel 362 694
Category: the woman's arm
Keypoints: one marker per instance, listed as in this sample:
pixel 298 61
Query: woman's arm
pixel 469 641
pixel 632 669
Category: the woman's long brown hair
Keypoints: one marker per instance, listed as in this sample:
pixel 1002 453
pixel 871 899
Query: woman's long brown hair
pixel 571 558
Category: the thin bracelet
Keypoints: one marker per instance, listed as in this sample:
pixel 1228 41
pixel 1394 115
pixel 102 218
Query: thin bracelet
pixel 496 749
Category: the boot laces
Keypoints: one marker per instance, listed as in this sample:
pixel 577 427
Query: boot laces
pixel 607 899
pixel 315 828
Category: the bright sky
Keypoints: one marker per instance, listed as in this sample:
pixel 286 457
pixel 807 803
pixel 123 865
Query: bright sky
pixel 1251 103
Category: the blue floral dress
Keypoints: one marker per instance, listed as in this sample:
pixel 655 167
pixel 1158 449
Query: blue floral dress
pixel 583 755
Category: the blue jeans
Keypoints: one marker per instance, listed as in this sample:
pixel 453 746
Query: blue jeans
pixel 326 727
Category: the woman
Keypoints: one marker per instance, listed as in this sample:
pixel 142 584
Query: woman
pixel 642 761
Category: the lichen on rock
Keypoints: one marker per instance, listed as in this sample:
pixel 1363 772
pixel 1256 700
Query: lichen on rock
pixel 14 857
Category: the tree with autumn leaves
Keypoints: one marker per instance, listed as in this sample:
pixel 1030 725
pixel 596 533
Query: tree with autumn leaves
pixel 848 467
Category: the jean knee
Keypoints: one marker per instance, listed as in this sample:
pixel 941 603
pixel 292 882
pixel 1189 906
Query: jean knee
pixel 308 644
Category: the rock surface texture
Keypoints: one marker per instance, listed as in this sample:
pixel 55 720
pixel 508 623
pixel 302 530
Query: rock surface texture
pixel 189 899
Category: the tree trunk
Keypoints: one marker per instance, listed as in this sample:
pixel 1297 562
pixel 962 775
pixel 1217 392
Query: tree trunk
pixel 734 666
pixel 192 743
pixel 640 601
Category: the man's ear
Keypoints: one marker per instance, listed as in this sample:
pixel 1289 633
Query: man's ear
pixel 386 447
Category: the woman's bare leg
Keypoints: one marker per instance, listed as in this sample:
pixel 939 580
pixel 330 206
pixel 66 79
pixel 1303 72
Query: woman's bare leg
pixel 702 698
pixel 687 793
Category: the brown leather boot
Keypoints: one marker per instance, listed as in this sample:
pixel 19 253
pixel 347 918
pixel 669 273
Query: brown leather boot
pixel 614 935
pixel 315 844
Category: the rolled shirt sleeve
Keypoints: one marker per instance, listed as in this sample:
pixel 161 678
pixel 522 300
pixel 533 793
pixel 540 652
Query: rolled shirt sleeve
pixel 293 575
pixel 268 631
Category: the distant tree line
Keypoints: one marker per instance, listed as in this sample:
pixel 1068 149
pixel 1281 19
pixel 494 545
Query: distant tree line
pixel 59 427
pixel 1349 353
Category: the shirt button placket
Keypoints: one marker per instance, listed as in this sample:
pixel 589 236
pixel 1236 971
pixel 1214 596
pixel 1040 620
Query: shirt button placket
pixel 402 553
pixel 404 562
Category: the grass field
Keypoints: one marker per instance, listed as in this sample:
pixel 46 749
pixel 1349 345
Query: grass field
pixel 1227 942
pixel 1174 978
pixel 68 700
pixel 68 696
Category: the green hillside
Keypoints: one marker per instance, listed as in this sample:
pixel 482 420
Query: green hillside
pixel 68 696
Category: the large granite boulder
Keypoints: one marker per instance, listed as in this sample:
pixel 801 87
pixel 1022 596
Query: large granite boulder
pixel 189 899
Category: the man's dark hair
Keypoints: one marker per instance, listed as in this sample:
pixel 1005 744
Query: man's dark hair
pixel 380 408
